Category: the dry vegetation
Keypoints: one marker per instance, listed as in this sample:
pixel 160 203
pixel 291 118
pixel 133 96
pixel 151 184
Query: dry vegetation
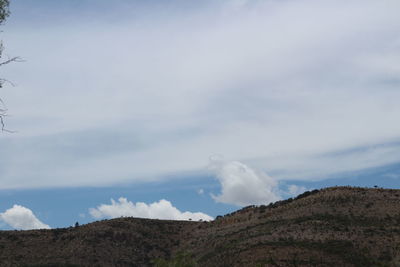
pixel 340 226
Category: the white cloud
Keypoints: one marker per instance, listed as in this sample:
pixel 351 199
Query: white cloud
pixel 242 186
pixel 19 217
pixel 200 191
pixel 279 84
pixel 162 209
pixel 296 190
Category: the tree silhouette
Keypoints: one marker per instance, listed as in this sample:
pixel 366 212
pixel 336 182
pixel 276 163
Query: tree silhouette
pixel 4 13
pixel 4 10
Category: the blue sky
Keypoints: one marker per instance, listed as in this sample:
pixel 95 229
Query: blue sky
pixel 210 105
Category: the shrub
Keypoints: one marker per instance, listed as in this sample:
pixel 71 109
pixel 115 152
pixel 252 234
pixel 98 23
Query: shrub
pixel 181 259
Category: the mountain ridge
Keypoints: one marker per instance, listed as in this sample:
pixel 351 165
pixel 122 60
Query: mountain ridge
pixel 345 226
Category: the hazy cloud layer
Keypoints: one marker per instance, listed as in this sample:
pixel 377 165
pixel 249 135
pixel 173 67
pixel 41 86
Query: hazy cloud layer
pixel 162 209
pixel 301 88
pixel 21 218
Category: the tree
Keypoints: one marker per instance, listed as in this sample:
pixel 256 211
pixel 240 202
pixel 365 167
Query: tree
pixel 4 13
pixel 4 10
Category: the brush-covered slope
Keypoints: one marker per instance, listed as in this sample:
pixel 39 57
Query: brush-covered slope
pixel 117 242
pixel 340 226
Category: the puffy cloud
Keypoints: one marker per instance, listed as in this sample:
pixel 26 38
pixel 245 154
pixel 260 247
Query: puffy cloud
pixel 19 217
pixel 243 186
pixel 162 209
pixel 295 190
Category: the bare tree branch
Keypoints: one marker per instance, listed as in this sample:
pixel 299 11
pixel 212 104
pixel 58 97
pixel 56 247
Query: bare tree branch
pixel 13 59
pixel 4 13
pixel 3 108
pixel 3 114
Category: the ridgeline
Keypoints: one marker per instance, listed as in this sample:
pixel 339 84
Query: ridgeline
pixel 339 226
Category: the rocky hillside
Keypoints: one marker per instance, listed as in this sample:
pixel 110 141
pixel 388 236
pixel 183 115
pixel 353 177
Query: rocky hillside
pixel 340 226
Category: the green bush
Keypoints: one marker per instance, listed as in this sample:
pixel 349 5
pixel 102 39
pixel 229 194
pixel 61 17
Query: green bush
pixel 181 259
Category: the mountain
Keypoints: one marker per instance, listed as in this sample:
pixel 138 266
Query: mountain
pixel 339 226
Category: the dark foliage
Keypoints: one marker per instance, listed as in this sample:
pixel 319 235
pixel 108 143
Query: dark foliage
pixel 4 10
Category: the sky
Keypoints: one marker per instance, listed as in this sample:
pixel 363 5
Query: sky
pixel 192 109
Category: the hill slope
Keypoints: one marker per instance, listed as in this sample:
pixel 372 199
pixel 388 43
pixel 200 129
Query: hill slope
pixel 340 226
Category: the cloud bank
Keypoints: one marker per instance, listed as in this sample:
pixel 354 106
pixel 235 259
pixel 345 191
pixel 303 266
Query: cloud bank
pixel 19 217
pixel 301 88
pixel 162 209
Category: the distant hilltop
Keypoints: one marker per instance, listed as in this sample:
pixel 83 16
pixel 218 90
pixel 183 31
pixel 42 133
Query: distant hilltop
pixel 337 226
